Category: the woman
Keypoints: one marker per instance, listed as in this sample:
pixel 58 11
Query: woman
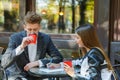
pixel 94 60
pixel 94 65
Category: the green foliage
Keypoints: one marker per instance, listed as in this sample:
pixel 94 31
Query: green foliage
pixel 90 11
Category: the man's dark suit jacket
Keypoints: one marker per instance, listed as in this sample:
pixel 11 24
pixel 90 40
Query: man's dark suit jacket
pixel 44 46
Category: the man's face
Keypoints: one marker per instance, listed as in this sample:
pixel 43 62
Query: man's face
pixel 32 28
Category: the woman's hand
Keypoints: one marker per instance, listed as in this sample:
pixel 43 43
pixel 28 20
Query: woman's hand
pixel 69 70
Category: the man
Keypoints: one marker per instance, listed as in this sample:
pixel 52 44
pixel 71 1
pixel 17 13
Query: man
pixel 20 55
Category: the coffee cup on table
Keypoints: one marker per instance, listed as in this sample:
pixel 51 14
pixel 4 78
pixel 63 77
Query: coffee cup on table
pixel 34 36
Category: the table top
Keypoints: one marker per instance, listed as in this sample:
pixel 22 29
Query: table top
pixel 38 73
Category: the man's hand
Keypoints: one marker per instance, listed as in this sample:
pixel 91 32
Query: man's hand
pixel 31 65
pixel 53 65
pixel 26 41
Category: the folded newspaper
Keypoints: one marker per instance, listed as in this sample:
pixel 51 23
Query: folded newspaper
pixel 51 70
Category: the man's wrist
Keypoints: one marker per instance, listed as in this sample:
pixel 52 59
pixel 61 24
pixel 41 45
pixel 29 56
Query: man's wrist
pixel 36 63
pixel 19 50
pixel 40 63
pixel 21 47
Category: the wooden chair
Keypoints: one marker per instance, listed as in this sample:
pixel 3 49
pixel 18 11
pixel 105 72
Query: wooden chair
pixel 1 51
pixel 115 52
pixel 115 57
pixel 2 72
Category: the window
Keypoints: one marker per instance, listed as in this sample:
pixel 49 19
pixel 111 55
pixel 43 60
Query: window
pixel 9 15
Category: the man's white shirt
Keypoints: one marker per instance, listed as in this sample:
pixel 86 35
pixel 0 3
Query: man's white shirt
pixel 32 51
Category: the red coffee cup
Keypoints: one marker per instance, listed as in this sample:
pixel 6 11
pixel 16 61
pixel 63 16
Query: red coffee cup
pixel 68 62
pixel 34 36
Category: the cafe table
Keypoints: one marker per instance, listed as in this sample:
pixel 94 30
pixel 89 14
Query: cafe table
pixel 48 73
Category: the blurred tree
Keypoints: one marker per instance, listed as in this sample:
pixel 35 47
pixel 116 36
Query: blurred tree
pixel 73 16
pixel 61 23
pixel 67 14
pixel 49 13
pixel 82 7
pixel 86 8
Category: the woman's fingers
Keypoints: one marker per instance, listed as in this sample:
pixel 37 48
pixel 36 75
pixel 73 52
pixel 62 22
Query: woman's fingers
pixel 69 70
pixel 66 65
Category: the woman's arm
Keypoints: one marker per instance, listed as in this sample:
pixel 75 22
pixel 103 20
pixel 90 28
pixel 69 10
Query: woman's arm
pixel 95 59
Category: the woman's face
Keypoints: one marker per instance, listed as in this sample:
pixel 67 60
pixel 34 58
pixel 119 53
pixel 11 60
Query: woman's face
pixel 79 41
